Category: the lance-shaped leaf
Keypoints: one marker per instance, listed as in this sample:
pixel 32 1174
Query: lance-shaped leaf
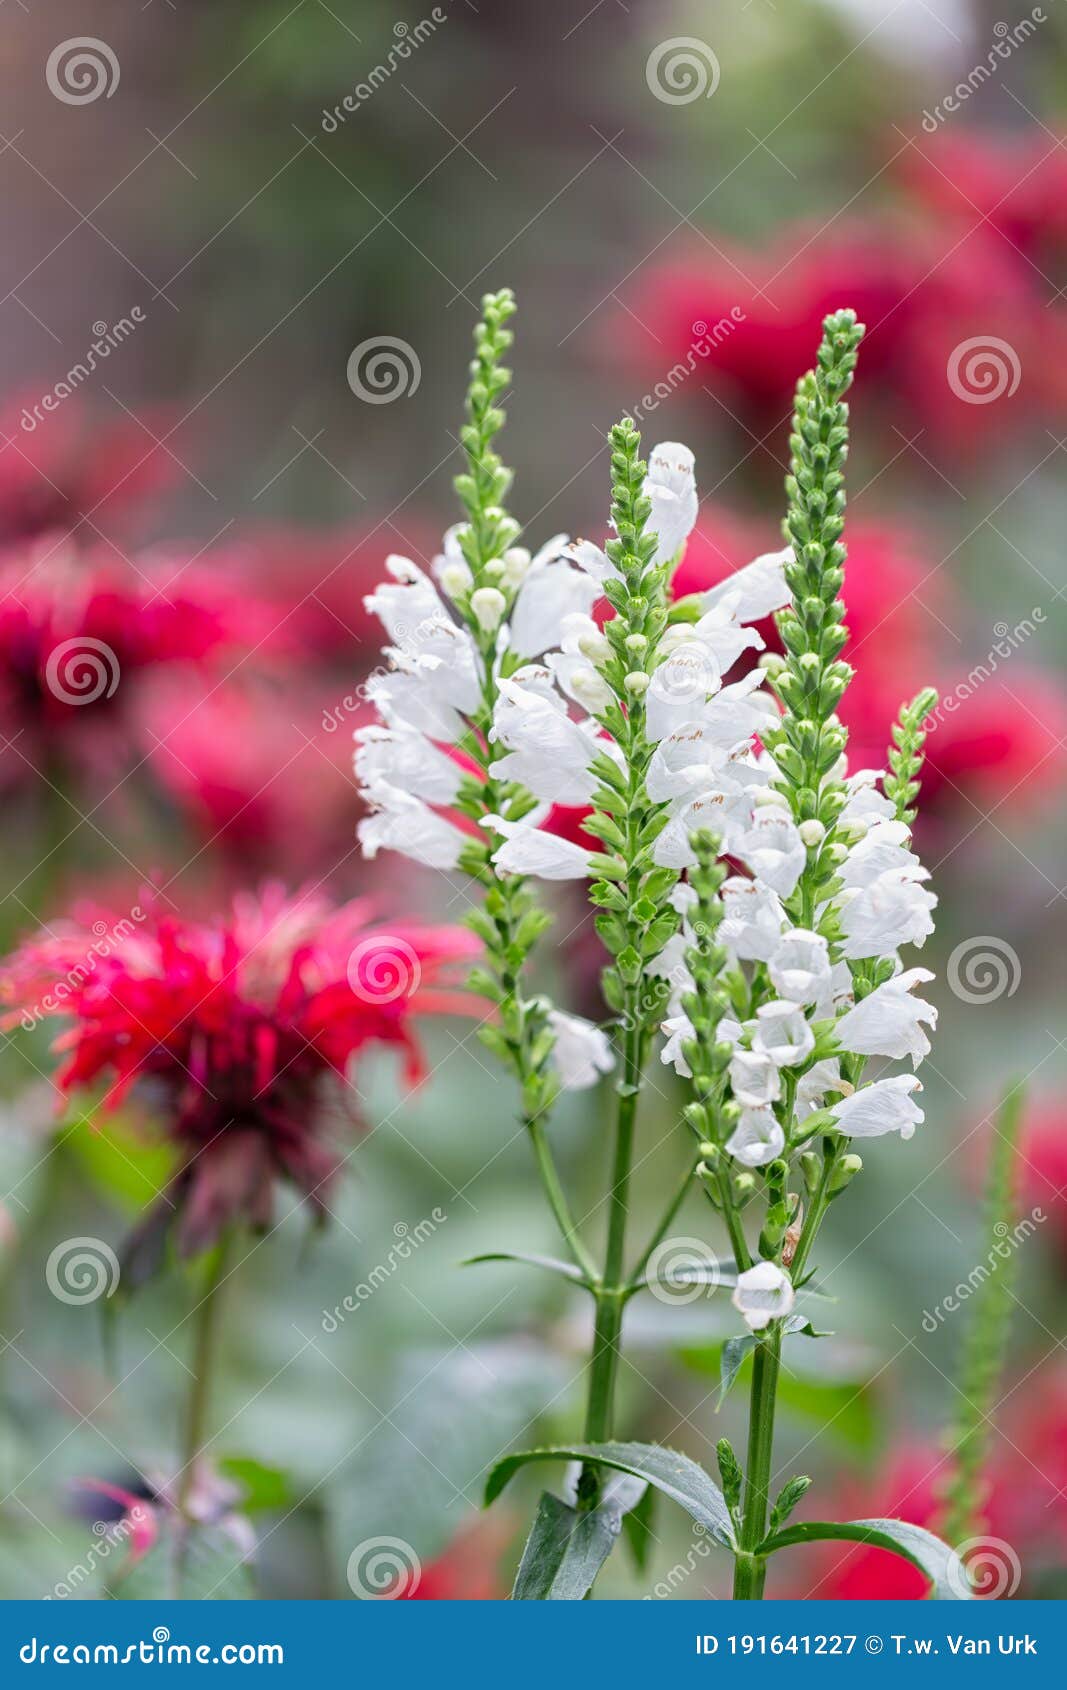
pixel 673 1474
pixel 941 1565
pixel 567 1546
pixel 568 1270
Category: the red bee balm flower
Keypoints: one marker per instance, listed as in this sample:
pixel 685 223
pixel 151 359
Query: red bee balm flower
pixel 235 1033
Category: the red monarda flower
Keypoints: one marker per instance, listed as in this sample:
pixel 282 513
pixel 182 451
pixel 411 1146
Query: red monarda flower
pixel 237 1035
pixel 76 633
pixel 63 465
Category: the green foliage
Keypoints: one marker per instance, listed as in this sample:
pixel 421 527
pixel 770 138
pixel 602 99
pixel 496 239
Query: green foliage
pixel 941 1565
pixel 567 1546
pixel 786 1500
pixel 673 1474
pixel 987 1335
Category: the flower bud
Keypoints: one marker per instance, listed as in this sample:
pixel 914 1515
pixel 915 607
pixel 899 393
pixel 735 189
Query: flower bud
pixel 637 643
pixel 812 833
pixel 595 647
pixel 637 683
pixel 846 1171
pixel 488 605
pixel 516 563
pixel 456 579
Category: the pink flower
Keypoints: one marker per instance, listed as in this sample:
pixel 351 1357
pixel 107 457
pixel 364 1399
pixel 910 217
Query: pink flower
pixel 77 633
pixel 744 323
pixel 235 1034
pixel 60 465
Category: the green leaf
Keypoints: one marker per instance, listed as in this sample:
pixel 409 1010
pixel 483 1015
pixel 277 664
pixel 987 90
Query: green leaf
pixel 735 1350
pixel 120 1160
pixel 673 1474
pixel 567 1269
pixel 568 1546
pixel 638 1528
pixel 941 1565
pixel 262 1487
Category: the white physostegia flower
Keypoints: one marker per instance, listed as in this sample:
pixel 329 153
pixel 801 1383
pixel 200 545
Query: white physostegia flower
pixel 530 850
pixel 888 1022
pixel 763 1293
pixel 783 1033
pixel 582 1051
pixel 760 587
pixel 799 966
pixel 552 589
pixel 892 910
pixel 546 750
pixel 403 757
pixel 774 850
pixel 757 1139
pixel 401 822
pixel 755 1079
pixel 886 1106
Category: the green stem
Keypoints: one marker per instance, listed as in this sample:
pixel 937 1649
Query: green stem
pixel 611 1292
pixel 750 1568
pixel 557 1200
pixel 197 1407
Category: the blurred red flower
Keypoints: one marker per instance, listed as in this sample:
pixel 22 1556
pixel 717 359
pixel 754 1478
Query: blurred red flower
pixel 254 773
pixel 744 325
pixel 1025 1510
pixel 68 465
pixel 74 630
pixel 235 1034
